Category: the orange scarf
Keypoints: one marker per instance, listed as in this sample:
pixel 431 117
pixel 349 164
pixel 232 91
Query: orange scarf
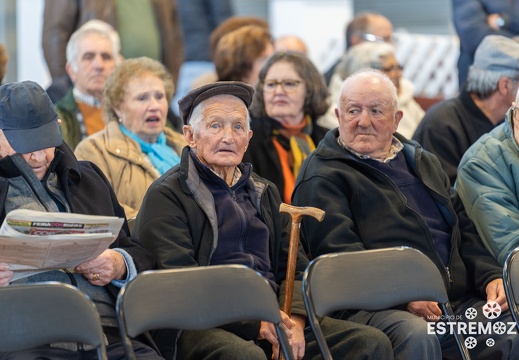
pixel 293 144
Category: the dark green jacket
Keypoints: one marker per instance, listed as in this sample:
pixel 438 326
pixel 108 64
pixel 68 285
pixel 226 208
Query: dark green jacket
pixel 70 130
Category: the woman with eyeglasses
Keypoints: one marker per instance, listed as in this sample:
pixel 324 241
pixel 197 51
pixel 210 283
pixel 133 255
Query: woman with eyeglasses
pixel 291 94
pixel 381 56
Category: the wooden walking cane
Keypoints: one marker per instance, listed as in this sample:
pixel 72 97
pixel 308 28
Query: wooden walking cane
pixel 297 214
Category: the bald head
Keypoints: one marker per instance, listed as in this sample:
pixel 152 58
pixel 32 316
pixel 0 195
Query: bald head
pixel 385 87
pixel 368 113
pixel 290 43
pixel 368 27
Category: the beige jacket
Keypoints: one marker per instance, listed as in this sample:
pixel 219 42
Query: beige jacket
pixel 127 168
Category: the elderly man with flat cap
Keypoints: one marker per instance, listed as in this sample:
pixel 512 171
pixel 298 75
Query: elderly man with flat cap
pixel 39 172
pixel 211 209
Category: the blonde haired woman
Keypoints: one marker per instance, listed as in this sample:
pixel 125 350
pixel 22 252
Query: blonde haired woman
pixel 135 147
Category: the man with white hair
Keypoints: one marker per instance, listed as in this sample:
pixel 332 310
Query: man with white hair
pixel 211 209
pixel 92 54
pixel 380 190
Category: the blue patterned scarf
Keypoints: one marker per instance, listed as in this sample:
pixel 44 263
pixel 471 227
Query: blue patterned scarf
pixel 161 155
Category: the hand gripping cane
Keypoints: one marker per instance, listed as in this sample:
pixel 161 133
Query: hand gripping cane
pixel 297 214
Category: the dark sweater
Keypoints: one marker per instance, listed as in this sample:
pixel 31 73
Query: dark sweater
pixel 243 238
pixel 449 128
pixel 419 200
pixel 365 210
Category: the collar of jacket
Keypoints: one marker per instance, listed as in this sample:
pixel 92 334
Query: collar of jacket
pixel 191 182
pixel 471 107
pixel 64 161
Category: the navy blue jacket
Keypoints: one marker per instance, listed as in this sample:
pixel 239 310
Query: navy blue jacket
pixel 470 21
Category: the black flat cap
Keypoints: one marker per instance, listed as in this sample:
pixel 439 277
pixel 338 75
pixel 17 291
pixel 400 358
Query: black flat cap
pixel 194 97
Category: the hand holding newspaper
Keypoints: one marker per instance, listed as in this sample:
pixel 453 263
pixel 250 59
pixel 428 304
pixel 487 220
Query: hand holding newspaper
pixel 33 241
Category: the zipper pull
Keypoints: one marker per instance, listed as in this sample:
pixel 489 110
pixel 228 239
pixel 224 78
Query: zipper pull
pixel 448 274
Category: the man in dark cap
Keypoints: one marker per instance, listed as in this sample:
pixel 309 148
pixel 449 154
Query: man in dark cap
pixel 39 172
pixel 211 209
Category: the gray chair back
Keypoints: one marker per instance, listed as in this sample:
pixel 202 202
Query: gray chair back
pixel 371 280
pixel 196 298
pixel 48 312
pixel 511 283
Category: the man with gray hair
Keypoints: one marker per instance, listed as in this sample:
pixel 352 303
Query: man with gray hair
pixel 449 128
pixel 488 183
pixel 211 209
pixel 92 53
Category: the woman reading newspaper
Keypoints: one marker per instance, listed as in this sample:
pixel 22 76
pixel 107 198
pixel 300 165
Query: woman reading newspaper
pixel 39 172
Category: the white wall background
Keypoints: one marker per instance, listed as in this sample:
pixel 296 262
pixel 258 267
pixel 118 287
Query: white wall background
pixel 321 24
pixel 30 62
pixel 310 19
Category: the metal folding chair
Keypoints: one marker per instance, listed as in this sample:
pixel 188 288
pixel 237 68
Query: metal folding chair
pixel 42 313
pixel 196 298
pixel 365 280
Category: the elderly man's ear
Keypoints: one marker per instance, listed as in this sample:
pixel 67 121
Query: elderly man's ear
pixel 398 116
pixel 71 73
pixel 189 135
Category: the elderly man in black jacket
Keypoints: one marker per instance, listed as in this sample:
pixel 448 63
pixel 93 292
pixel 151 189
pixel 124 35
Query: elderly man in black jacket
pixel 380 190
pixel 211 209
pixel 39 172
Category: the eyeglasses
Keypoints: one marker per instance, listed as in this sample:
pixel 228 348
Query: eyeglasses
pixel 376 38
pixel 396 67
pixel 288 86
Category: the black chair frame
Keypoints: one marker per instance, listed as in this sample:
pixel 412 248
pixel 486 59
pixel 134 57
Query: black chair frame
pixel 365 280
pixel 196 298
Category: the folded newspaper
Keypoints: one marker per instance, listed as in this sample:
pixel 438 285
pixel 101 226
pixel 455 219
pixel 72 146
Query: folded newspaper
pixel 33 241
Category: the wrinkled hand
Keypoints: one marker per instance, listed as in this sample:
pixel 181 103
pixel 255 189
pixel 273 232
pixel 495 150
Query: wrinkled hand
pixel 5 274
pixel 496 292
pixel 268 332
pixel 101 270
pixel 294 329
pixel 428 310
pixel 298 337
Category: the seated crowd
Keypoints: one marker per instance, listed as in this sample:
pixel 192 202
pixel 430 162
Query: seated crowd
pixel 205 186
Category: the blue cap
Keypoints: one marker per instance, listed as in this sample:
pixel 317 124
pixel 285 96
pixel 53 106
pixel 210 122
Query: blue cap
pixel 28 118
pixel 498 54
